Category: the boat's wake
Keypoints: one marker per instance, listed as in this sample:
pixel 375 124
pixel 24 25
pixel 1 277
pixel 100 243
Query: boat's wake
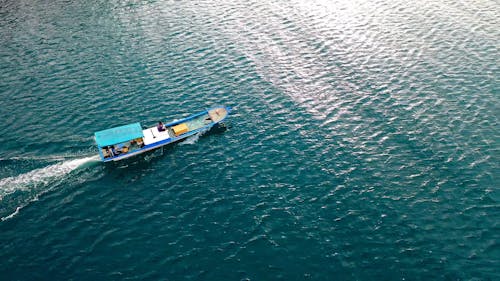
pixel 33 182
pixel 193 139
pixel 220 127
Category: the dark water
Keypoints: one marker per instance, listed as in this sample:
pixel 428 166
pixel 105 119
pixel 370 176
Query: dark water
pixel 364 143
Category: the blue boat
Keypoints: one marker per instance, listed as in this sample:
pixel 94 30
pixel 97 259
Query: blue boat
pixel 126 141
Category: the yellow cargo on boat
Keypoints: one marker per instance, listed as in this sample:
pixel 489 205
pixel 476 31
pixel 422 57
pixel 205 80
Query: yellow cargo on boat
pixel 180 129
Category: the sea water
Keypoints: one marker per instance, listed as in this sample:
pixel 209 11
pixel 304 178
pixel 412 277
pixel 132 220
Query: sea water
pixel 363 142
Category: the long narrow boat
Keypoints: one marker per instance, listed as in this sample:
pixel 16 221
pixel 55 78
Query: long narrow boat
pixel 125 141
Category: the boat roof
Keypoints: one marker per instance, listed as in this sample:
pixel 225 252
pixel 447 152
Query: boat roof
pixel 118 134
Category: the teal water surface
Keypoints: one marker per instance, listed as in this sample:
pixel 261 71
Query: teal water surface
pixel 363 142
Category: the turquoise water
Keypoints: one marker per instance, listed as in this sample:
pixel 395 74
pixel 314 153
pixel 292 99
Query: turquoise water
pixel 363 143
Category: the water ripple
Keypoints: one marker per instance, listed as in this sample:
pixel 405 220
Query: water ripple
pixel 361 132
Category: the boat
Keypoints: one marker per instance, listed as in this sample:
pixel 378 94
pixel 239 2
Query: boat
pixel 129 140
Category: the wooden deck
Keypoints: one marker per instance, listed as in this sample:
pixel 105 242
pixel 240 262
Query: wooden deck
pixel 217 114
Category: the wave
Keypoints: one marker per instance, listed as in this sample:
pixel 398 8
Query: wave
pixel 191 140
pixel 34 181
pixel 194 138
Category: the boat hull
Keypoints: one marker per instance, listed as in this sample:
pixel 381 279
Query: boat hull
pixel 174 132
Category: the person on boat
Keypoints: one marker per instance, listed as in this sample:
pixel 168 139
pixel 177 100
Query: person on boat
pixel 161 127
pixel 115 151
pixel 109 152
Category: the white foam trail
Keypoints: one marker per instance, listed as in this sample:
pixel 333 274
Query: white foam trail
pixel 40 177
pixel 54 158
pixel 191 140
pixel 194 138
pixel 12 215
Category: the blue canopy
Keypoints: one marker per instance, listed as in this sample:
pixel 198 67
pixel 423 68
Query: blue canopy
pixel 118 134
